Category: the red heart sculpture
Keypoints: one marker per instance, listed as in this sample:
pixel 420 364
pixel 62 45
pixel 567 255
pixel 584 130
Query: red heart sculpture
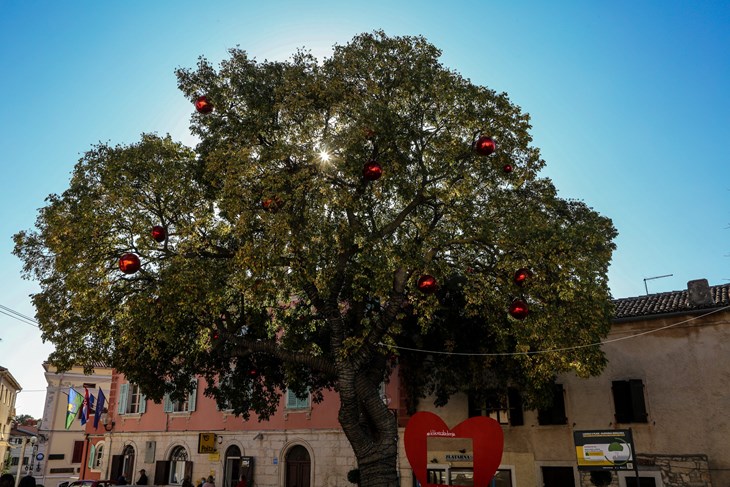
pixel 485 433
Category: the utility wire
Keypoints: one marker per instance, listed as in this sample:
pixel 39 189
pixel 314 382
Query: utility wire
pixel 18 316
pixel 553 350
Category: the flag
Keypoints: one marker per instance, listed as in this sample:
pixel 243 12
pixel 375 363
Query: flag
pixel 74 401
pixel 85 407
pixel 99 408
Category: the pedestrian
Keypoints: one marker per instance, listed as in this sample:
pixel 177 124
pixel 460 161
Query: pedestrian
pixel 27 481
pixel 7 480
pixel 210 482
pixel 202 482
pixel 187 482
pixel 121 480
pixel 142 480
pixel 242 482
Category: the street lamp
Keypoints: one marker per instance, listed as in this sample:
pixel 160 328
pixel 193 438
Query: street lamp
pixel 34 445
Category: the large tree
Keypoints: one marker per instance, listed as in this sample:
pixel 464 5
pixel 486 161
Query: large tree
pixel 285 263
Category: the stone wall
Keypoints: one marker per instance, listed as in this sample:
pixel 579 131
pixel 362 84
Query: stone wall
pixel 676 471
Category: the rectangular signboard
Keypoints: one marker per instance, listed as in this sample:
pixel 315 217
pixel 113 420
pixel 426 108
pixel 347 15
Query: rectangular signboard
pixel 206 443
pixel 604 450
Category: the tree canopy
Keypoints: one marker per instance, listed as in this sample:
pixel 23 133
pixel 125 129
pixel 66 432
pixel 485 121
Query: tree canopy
pixel 286 262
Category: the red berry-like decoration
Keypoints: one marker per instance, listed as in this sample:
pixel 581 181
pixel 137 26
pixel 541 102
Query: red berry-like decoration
pixel 129 263
pixel 202 105
pixel 485 146
pixel 521 275
pixel 507 168
pixel 271 204
pixel 427 284
pixel 372 171
pixel 159 234
pixel 518 309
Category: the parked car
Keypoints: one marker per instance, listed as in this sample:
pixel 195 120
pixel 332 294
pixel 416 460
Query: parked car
pixel 91 483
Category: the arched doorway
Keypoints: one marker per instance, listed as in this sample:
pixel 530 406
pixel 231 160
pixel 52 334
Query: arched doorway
pixel 232 469
pixel 298 467
pixel 179 465
pixel 128 463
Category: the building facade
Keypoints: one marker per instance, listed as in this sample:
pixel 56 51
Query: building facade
pixel 666 382
pixel 9 389
pixel 62 449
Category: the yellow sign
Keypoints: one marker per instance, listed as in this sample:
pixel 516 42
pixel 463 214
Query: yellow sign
pixel 214 457
pixel 206 443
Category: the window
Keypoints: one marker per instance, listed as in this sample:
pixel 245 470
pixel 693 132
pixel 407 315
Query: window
pixel 185 405
pixel 628 400
pixel 503 407
pixel 96 455
pixel 78 452
pixel 295 402
pixel 131 400
pixel 14 461
pixel 555 413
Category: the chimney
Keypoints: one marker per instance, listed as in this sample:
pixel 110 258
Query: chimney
pixel 699 293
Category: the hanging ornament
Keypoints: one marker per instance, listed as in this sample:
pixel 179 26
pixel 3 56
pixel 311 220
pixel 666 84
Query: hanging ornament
pixel 271 205
pixel 427 284
pixel 507 168
pixel 372 171
pixel 253 372
pixel 518 309
pixel 521 275
pixel 129 263
pixel 485 146
pixel 159 234
pixel 202 105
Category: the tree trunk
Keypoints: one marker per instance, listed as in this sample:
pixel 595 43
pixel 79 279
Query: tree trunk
pixel 371 428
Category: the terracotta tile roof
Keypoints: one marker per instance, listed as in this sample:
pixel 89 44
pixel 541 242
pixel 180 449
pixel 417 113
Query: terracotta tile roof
pixel 670 302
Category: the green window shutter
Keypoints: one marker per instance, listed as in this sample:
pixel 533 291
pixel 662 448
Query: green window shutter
pixel 122 404
pixel 167 404
pixel 92 455
pixel 142 403
pixel 192 398
pixel 291 400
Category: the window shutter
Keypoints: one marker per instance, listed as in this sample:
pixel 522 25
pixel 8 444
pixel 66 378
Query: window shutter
pixel 622 400
pixel 117 466
pixel 192 397
pixel 514 401
pixel 162 472
pixel 167 405
pixel 142 403
pixel 555 414
pixel 122 403
pixel 638 407
pixel 92 456
pixel 291 400
pixel 189 469
pixel 78 452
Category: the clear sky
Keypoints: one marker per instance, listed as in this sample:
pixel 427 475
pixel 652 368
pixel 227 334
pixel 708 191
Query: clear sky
pixel 629 104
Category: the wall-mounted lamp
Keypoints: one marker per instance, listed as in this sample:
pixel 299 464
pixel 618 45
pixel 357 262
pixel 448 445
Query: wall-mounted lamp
pixel 258 436
pixel 220 440
pixel 107 422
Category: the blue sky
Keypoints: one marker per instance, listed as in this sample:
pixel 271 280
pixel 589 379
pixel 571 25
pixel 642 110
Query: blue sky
pixel 629 104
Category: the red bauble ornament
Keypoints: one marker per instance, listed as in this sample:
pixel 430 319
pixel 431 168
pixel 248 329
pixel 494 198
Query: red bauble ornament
pixel 271 204
pixel 518 309
pixel 372 171
pixel 485 146
pixel 159 234
pixel 507 168
pixel 129 263
pixel 521 275
pixel 202 105
pixel 427 284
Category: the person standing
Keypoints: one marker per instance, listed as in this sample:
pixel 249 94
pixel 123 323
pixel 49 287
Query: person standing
pixel 142 478
pixel 242 482
pixel 210 482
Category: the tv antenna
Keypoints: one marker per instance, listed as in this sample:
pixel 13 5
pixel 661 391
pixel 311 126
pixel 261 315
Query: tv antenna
pixel 655 277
